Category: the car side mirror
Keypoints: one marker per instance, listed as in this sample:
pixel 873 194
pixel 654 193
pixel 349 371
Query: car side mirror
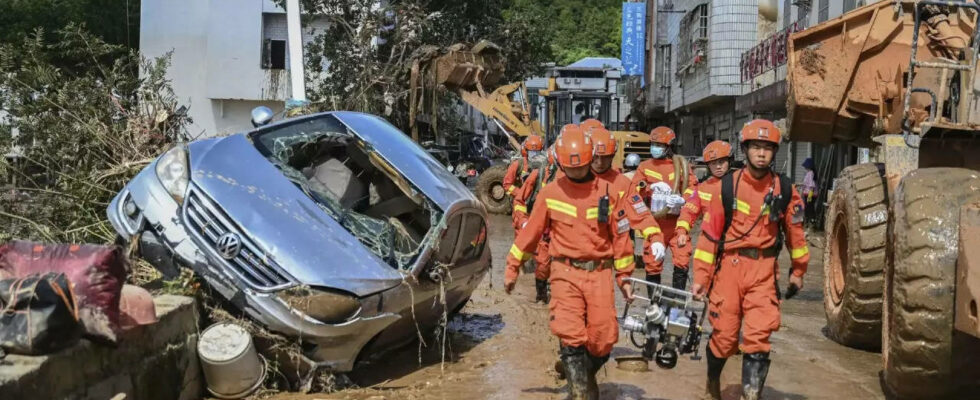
pixel 262 115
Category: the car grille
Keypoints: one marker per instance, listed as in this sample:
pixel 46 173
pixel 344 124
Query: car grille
pixel 208 223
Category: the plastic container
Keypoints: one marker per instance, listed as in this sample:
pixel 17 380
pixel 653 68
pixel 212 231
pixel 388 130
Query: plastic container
pixel 232 368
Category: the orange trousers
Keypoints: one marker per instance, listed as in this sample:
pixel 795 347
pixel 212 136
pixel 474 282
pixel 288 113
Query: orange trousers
pixel 743 297
pixel 583 308
pixel 681 256
pixel 542 260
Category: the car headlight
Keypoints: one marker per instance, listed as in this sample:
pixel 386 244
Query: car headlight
pixel 329 307
pixel 173 172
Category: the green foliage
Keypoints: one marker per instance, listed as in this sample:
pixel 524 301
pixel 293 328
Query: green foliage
pixel 578 28
pixel 115 21
pixel 84 123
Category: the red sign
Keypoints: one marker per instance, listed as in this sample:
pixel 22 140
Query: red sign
pixel 769 53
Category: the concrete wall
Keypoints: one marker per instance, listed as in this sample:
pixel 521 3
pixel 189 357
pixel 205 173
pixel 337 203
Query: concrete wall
pixel 216 62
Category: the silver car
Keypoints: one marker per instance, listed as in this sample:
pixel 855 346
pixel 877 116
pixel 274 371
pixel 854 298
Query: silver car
pixel 335 229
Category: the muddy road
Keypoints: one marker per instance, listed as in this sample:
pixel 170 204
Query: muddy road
pixel 500 347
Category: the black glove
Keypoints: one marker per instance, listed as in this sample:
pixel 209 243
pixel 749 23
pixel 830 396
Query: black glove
pixel 791 291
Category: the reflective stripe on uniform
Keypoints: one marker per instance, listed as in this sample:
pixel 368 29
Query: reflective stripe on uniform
pixel 688 192
pixel 511 189
pixel 652 173
pixel 624 262
pixel 593 213
pixel 704 256
pixel 704 196
pixel 743 207
pixel 650 231
pixel 685 225
pixel 800 252
pixel 621 194
pixel 518 254
pixel 562 207
pixel 520 208
pixel 670 176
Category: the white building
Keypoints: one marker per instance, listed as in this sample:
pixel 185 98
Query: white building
pixel 227 57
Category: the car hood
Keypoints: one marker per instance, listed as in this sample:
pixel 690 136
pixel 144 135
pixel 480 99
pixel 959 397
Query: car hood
pixel 294 232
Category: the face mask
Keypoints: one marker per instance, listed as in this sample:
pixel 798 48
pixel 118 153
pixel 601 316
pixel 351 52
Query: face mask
pixel 657 151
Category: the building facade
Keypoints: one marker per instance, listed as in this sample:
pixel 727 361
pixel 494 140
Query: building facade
pixel 227 57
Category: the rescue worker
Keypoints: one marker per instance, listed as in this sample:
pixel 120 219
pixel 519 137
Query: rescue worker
pixel 524 200
pixel 640 218
pixel 588 229
pixel 651 172
pixel 519 170
pixel 739 272
pixel 630 164
pixel 717 155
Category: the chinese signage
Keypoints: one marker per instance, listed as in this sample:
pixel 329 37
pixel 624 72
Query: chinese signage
pixel 768 54
pixel 634 38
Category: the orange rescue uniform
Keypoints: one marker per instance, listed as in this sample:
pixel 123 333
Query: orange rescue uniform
pixel 662 170
pixel 522 196
pixel 697 204
pixel 516 172
pixel 582 308
pixel 743 295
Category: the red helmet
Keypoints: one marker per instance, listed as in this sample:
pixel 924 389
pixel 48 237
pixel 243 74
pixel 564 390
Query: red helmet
pixel 574 147
pixel 603 141
pixel 760 129
pixel 590 124
pixel 551 154
pixel 662 135
pixel 532 143
pixel 716 150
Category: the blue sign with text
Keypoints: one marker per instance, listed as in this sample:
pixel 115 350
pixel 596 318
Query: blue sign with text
pixel 634 38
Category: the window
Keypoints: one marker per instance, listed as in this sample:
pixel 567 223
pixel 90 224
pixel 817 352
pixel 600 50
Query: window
pixel 849 5
pixel 824 10
pixel 693 38
pixel 275 54
pixel 473 238
pixel 447 242
pixel 665 57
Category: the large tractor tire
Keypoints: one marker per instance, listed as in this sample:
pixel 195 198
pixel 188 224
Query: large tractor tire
pixel 854 259
pixel 491 192
pixel 921 356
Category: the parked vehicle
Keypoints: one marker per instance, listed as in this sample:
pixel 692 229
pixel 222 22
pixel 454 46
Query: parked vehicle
pixel 334 228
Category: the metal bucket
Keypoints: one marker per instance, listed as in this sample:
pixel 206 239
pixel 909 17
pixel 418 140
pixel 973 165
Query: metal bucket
pixel 232 368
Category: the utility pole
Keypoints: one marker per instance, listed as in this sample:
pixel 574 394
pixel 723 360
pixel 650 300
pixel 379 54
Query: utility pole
pixel 297 71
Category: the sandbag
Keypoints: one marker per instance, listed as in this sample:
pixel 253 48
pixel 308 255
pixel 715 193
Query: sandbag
pixel 97 274
pixel 38 314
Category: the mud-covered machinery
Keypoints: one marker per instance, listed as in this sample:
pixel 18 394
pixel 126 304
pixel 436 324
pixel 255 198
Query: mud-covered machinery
pixel 902 271
pixel 670 325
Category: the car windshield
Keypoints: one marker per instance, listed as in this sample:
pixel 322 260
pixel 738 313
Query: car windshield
pixel 352 184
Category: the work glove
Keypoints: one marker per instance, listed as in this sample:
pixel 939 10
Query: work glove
pixel 657 250
pixel 674 203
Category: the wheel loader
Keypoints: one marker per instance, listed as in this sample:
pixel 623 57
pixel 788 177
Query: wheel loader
pixel 902 257
pixel 471 72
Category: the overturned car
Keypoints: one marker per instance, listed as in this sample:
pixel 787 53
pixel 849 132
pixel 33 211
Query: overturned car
pixel 334 229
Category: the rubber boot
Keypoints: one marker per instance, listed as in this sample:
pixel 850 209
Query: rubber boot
pixel 595 364
pixel 652 279
pixel 680 279
pixel 755 368
pixel 575 362
pixel 541 286
pixel 712 388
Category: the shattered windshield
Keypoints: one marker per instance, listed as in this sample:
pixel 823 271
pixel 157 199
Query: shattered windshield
pixel 352 184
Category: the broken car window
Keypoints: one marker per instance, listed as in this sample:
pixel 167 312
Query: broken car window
pixel 351 183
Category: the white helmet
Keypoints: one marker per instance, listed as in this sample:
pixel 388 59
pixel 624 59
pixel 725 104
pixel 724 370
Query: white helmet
pixel 632 160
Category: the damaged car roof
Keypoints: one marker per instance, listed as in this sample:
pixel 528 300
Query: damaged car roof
pixel 431 177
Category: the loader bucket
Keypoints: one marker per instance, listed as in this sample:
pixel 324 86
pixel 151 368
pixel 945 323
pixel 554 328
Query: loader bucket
pixel 466 68
pixel 846 77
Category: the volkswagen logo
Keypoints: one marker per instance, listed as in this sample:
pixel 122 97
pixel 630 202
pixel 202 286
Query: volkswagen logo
pixel 229 245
